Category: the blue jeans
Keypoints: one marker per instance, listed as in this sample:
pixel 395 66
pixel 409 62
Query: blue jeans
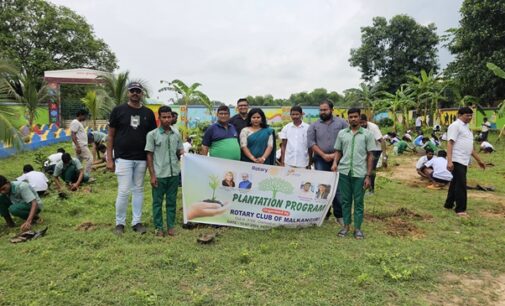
pixel 130 178
pixel 322 165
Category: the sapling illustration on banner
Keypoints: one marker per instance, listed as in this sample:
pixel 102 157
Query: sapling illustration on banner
pixel 275 185
pixel 213 184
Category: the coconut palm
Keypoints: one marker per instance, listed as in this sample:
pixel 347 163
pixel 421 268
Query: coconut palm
pixel 98 104
pixel 26 91
pixel 188 93
pixel 8 133
pixel 116 86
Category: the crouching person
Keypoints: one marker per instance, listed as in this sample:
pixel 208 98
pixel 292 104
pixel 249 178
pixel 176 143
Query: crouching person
pixel 163 146
pixel 70 171
pixel 20 200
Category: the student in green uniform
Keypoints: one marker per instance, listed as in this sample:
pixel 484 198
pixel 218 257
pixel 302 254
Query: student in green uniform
pixel 163 147
pixel 354 162
pixel 20 200
pixel 70 170
pixel 402 146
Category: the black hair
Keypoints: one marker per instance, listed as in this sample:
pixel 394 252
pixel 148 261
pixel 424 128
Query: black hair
pixel 242 100
pixel 3 181
pixel 363 117
pixel 442 153
pixel 27 168
pixel 465 110
pixel 65 158
pixel 425 139
pixel 175 114
pixel 327 102
pixel 353 110
pixel 81 112
pixel 253 111
pixel 429 150
pixel 101 147
pixel 296 108
pixel 60 150
pixel 224 108
pixel 91 138
pixel 485 119
pixel 164 109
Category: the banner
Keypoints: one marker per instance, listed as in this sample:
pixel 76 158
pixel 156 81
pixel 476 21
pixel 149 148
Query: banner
pixel 248 195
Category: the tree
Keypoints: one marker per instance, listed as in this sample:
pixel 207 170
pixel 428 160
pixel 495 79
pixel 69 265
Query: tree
pixel 37 36
pixel 25 89
pixel 187 93
pixel 401 101
pixel 8 133
pixel 275 185
pixel 391 51
pixel 98 105
pixel 429 90
pixel 116 86
pixel 501 107
pixel 479 39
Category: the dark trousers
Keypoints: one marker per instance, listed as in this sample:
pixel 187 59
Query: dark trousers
pixel 20 210
pixel 322 165
pixel 167 188
pixel 457 189
pixel 376 156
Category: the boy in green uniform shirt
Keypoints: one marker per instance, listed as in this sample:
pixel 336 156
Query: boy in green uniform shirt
pixel 163 146
pixel 20 200
pixel 354 161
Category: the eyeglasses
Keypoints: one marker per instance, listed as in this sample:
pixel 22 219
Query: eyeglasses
pixel 135 90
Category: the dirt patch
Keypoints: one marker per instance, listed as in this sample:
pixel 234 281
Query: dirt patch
pixel 482 289
pixel 398 227
pixel 86 226
pixel 486 196
pixel 399 222
pixel 497 211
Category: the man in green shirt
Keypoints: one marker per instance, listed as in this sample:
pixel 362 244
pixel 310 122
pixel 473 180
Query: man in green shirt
pixel 220 139
pixel 163 147
pixel 70 170
pixel 20 200
pixel 354 162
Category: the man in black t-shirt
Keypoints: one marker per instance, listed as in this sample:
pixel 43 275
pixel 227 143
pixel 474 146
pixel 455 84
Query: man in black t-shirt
pixel 129 124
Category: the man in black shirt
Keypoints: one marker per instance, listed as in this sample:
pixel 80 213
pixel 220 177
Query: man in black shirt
pixel 239 120
pixel 129 124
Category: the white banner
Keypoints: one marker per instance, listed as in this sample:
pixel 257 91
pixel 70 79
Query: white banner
pixel 256 196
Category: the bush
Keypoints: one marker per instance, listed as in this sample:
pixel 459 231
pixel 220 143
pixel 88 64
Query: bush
pixel 386 122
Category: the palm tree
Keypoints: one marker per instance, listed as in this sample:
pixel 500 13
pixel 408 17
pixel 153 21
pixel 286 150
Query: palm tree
pixel 8 133
pixel 422 86
pixel 24 89
pixel 97 103
pixel 401 101
pixel 188 93
pixel 116 86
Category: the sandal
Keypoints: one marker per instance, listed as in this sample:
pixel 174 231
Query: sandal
pixel 462 214
pixel 343 232
pixel 358 234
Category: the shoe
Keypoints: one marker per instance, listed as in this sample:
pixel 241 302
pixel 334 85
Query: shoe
pixel 343 232
pixel 171 232
pixel 159 233
pixel 119 229
pixel 358 234
pixel 139 228
pixel 433 187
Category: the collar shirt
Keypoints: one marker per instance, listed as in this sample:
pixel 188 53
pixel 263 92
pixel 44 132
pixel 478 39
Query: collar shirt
pixel 323 134
pixel 164 146
pixel 485 126
pixel 376 133
pixel 36 179
pixel 460 133
pixel 21 192
pixel 217 132
pixel 439 165
pixel 296 154
pixel 354 148
pixel 421 162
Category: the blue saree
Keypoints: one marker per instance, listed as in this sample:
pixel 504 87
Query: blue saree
pixel 257 143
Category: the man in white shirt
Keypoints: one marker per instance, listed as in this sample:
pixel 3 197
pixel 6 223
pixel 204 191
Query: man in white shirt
pixel 36 179
pixel 486 147
pixel 52 160
pixel 421 167
pixel 459 152
pixel 486 125
pixel 80 140
pixel 187 145
pixel 380 148
pixel 419 124
pixel 294 151
pixel 440 176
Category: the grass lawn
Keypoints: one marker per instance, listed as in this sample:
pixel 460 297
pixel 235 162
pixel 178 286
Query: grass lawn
pixel 415 252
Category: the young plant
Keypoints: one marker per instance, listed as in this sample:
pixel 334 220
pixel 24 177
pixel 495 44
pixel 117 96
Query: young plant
pixel 213 184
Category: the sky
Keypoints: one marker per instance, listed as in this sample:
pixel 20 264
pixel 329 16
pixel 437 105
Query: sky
pixel 248 47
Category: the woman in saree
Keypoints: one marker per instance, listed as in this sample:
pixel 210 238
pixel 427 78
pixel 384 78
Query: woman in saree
pixel 257 140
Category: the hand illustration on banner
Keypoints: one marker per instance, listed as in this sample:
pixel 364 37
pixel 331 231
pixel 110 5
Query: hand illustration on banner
pixel 204 209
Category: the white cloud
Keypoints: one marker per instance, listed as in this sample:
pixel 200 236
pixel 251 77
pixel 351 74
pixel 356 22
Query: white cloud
pixel 251 47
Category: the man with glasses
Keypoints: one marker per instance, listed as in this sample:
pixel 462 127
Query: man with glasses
pixel 129 124
pixel 239 121
pixel 220 139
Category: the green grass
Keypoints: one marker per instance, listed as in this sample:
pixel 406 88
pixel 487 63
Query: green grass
pixel 278 266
